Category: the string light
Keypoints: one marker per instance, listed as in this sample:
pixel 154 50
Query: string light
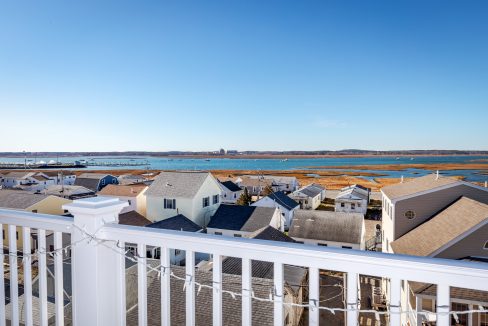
pixel 189 279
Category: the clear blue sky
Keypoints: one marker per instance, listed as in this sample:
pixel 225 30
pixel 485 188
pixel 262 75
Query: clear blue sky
pixel 265 75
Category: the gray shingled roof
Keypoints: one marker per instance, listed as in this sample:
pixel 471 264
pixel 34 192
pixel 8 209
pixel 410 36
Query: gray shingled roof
pixel 241 218
pixel 270 233
pixel 179 223
pixel 17 199
pixel 355 192
pixel 177 184
pixel 133 218
pixel 89 183
pixel 231 308
pixel 327 226
pixel 283 200
pixel 310 191
pixel 67 190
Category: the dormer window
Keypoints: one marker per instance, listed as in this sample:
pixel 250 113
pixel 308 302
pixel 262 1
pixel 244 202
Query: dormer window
pixel 410 214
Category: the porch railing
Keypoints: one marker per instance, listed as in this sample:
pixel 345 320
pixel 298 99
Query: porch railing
pixel 98 268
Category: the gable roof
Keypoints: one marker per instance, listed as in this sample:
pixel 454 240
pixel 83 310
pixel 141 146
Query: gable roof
pixel 122 190
pixel 133 218
pixel 231 186
pixel 177 184
pixel 420 184
pixel 66 190
pixel 19 174
pixel 275 178
pixel 354 192
pixel 241 218
pixel 17 199
pixel 327 226
pixel 454 221
pixel 179 223
pixel 91 175
pixel 283 200
pixel 309 191
pixel 272 234
pixel 87 183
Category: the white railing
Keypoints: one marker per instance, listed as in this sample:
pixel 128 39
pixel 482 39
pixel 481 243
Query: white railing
pixel 98 269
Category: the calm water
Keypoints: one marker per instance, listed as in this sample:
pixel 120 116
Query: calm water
pixel 277 164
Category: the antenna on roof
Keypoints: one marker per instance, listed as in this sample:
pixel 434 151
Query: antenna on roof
pixel 437 175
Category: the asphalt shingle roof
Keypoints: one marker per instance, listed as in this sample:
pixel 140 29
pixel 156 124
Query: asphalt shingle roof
pixel 179 222
pixel 17 199
pixel 452 222
pixel 133 218
pixel 89 183
pixel 327 226
pixel 231 186
pixel 283 200
pixel 177 184
pixel 241 218
pixel 428 182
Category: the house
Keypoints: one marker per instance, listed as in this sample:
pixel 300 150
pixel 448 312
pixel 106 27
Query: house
pixel 61 177
pixel 68 192
pixel 309 197
pixel 193 194
pixel 133 218
pixel 406 205
pixel 242 221
pixel 286 205
pixel 281 183
pixel 230 192
pixel 176 223
pixel 459 231
pixel 332 229
pixel 130 179
pixel 95 181
pixel 352 199
pixel 29 181
pixel 29 202
pixel 295 277
pixel 134 194
pixel 255 186
pixel 322 190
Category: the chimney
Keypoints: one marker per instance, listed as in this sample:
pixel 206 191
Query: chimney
pixel 437 175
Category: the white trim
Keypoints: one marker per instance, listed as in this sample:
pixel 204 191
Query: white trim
pixel 420 193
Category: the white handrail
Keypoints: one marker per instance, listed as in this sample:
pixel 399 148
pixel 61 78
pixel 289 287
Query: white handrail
pixel 36 221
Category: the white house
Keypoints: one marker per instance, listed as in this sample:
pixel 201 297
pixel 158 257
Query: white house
pixel 66 178
pixel 230 192
pixel 325 228
pixel 177 223
pixel 280 200
pixel 352 199
pixel 29 181
pixel 133 194
pixel 242 221
pixel 194 194
pixel 308 197
pixel 282 183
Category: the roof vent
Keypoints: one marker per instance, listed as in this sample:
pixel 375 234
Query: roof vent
pixel 168 184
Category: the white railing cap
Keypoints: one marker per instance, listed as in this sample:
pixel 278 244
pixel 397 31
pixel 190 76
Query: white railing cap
pixel 96 205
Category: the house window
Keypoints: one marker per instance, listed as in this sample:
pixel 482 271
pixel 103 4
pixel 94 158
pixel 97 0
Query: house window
pixel 169 203
pixel 206 201
pixel 346 247
pixel 129 202
pixel 177 252
pixel 359 205
pixel 343 205
pixel 215 199
pixel 235 196
pixel 238 235
pixel 353 206
pixel 322 244
pixel 34 211
pixel 103 182
pixel 218 233
pixel 410 214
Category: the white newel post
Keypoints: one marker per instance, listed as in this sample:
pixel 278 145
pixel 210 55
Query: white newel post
pixel 95 266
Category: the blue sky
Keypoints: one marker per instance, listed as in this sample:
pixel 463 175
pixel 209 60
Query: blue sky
pixel 265 75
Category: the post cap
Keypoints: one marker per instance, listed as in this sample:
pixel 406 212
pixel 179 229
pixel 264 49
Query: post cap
pixel 96 205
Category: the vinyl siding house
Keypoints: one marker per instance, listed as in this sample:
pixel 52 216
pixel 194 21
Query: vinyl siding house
pixel 23 201
pixel 61 177
pixel 309 197
pixel 230 192
pixel 242 221
pixel 332 229
pixel 352 199
pixel 460 231
pixel 286 205
pixel 29 181
pixel 176 223
pixel 281 183
pixel 255 186
pixel 68 192
pixel 196 195
pixel 134 195
pixel 95 181
pixel 130 179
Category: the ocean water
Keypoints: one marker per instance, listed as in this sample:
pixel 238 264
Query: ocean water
pixel 165 163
